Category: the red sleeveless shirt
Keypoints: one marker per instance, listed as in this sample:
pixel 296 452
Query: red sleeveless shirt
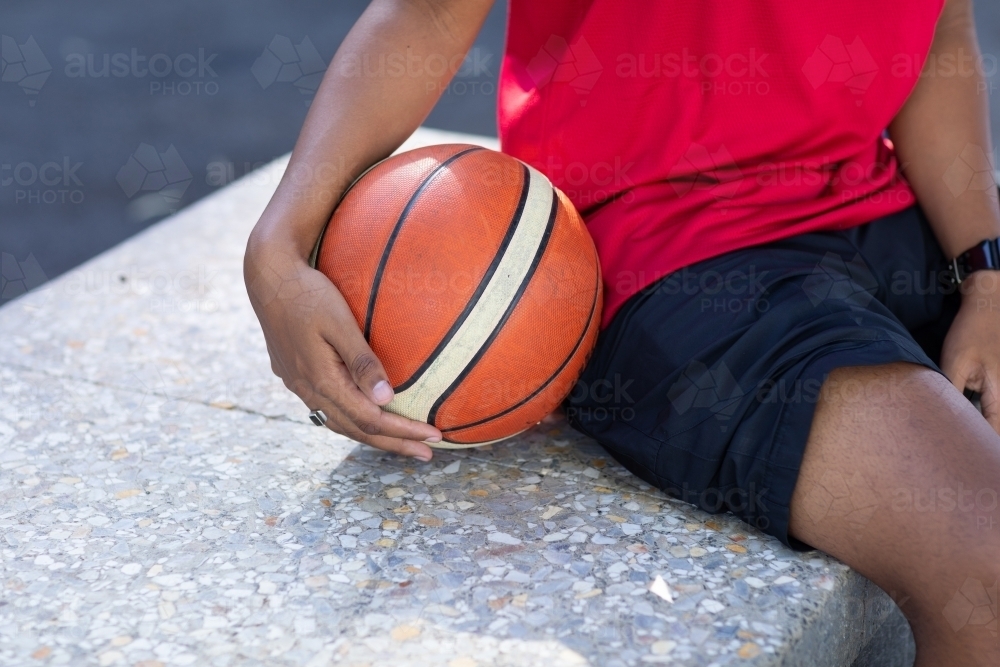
pixel 684 130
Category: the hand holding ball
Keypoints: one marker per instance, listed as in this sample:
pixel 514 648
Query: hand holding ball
pixel 475 283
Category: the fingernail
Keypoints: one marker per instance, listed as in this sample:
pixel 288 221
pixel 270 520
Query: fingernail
pixel 382 392
pixel 433 439
pixel 423 457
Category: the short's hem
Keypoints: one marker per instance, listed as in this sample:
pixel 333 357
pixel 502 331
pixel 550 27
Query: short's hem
pixel 797 424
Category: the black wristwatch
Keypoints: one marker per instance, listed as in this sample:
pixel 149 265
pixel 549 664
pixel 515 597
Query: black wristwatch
pixel 985 255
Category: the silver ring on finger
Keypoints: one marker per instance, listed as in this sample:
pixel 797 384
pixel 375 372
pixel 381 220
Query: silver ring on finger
pixel 318 417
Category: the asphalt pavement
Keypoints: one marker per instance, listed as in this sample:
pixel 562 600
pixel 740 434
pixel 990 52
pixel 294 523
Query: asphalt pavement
pixel 117 113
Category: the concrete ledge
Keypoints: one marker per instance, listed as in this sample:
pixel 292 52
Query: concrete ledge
pixel 163 498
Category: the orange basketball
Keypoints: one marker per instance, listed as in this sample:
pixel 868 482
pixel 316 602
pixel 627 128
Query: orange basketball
pixel 475 283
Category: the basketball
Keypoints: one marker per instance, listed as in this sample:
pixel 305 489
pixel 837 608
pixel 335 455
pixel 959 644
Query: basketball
pixel 475 283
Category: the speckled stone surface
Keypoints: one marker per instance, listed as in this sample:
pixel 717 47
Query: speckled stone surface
pixel 163 501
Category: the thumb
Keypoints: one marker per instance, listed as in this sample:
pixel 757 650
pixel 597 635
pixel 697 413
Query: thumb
pixel 365 368
pixel 989 398
pixel 991 408
pixel 341 331
pixel 957 369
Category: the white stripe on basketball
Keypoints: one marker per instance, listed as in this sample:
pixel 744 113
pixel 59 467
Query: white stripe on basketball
pixel 416 401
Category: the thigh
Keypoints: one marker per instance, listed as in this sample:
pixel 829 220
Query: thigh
pixel 705 384
pixel 908 497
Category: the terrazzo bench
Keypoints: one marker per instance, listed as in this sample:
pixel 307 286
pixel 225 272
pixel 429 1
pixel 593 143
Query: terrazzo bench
pixel 164 501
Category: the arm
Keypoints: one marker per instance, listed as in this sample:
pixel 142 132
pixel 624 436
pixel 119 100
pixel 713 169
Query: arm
pixel 359 116
pixel 946 117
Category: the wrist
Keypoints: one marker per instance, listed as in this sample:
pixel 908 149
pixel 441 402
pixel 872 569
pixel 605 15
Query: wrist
pixel 271 251
pixel 981 257
pixel 273 237
pixel 980 284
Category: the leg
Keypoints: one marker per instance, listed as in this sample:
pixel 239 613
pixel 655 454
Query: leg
pixel 899 480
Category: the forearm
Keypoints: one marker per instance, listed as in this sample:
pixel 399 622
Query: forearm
pixel 382 83
pixel 944 126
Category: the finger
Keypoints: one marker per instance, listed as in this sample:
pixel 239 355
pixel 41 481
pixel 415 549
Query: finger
pixel 989 399
pixel 411 448
pixel 336 389
pixel 340 423
pixel 373 420
pixel 558 414
pixel 364 367
pixel 957 370
pixel 991 409
pixel 399 426
pixel 275 366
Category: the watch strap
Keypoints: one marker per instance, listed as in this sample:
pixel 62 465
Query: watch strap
pixel 984 255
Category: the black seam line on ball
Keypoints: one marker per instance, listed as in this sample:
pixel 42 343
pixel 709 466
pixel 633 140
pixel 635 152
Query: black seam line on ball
pixel 376 283
pixel 474 299
pixel 503 320
pixel 579 341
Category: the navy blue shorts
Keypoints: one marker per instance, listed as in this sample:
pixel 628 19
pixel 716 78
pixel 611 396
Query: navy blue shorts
pixel 705 383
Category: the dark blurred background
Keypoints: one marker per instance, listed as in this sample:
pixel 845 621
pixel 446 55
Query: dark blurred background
pixel 224 84
pixel 194 95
